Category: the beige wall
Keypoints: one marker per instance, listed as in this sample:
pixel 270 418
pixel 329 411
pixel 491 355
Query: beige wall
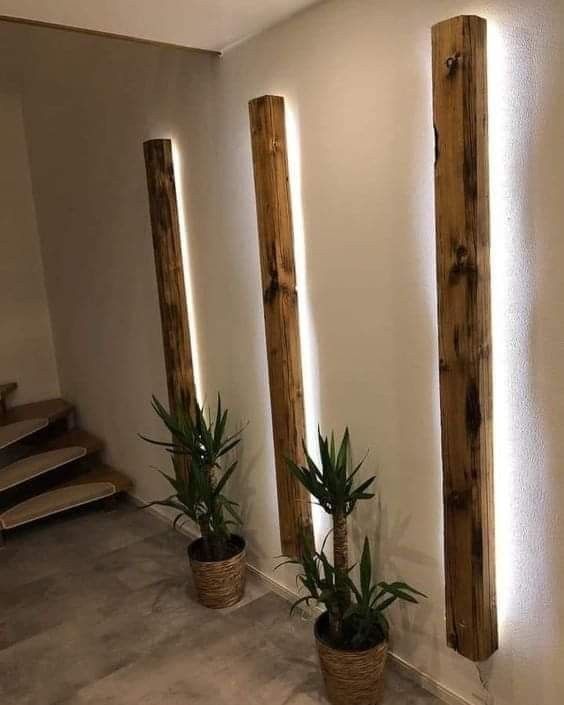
pixel 208 24
pixel 89 105
pixel 357 78
pixel 27 354
pixel 356 74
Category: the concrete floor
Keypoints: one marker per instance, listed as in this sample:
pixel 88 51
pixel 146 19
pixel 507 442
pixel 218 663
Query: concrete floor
pixel 97 609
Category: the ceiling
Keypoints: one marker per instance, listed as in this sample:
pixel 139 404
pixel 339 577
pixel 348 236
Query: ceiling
pixel 201 24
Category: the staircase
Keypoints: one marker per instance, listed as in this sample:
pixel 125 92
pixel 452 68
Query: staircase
pixel 47 466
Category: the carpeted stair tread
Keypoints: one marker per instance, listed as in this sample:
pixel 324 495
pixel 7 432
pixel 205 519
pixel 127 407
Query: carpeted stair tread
pixel 50 409
pixel 100 482
pixel 18 430
pixel 55 502
pixel 36 465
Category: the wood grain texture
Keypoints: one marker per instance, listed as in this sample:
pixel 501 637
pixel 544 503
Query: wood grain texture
pixel 170 273
pixel 276 241
pixel 463 284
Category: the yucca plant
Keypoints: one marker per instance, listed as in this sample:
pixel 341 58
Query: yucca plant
pixel 355 614
pixel 199 492
pixel 365 619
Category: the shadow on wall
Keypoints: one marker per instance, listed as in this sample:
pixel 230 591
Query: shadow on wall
pixel 353 259
pixel 308 337
pixel 366 253
pixel 546 487
pixel 518 453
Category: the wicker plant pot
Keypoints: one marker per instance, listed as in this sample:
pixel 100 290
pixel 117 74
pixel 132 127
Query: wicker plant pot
pixel 351 677
pixel 219 584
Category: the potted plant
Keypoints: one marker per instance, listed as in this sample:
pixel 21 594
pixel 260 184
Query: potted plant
pixel 198 448
pixel 352 633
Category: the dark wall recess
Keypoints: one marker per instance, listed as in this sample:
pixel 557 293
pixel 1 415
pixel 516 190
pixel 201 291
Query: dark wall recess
pixel 463 287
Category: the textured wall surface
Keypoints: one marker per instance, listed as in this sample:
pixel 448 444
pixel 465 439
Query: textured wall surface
pixel 89 104
pixel 357 78
pixel 27 354
pixel 202 24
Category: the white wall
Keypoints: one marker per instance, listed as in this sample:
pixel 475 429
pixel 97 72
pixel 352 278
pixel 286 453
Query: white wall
pixel 213 24
pixel 356 75
pixel 357 78
pixel 89 105
pixel 26 347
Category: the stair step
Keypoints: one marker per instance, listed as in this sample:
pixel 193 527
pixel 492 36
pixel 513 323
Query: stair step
pixel 99 483
pixel 18 430
pixel 75 437
pixel 45 465
pixel 36 465
pixel 100 472
pixel 55 502
pixel 51 409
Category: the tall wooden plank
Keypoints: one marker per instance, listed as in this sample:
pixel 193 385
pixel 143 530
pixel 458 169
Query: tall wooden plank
pixel 170 273
pixel 274 215
pixel 463 284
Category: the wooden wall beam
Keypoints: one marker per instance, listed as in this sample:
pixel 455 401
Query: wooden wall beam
pixel 463 284
pixel 276 240
pixel 170 273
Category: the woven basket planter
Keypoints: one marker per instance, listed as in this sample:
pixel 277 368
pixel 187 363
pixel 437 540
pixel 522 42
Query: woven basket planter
pixel 351 677
pixel 219 584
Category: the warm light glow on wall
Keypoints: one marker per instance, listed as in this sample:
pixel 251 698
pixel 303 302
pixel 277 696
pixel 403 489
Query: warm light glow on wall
pixel 511 300
pixel 499 191
pixel 307 331
pixel 192 318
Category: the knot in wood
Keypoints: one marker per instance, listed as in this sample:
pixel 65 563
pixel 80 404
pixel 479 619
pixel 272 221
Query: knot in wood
pixel 461 255
pixel 473 411
pixel 459 499
pixel 272 289
pixel 462 265
pixel 452 63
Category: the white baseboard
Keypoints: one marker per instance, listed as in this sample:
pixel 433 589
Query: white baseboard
pixel 425 681
pixel 422 679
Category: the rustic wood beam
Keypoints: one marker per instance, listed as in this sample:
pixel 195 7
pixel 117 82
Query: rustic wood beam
pixel 463 285
pixel 280 299
pixel 170 273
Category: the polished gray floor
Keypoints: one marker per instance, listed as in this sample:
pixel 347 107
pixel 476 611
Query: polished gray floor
pixel 98 609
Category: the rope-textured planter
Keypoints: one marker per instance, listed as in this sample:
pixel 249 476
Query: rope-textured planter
pixel 219 584
pixel 351 677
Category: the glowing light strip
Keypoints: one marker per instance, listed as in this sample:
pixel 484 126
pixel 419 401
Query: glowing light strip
pixel 511 299
pixel 308 342
pixel 184 245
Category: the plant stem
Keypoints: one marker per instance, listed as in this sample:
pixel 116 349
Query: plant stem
pixel 205 532
pixel 341 563
pixel 218 547
pixel 216 542
pixel 335 626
